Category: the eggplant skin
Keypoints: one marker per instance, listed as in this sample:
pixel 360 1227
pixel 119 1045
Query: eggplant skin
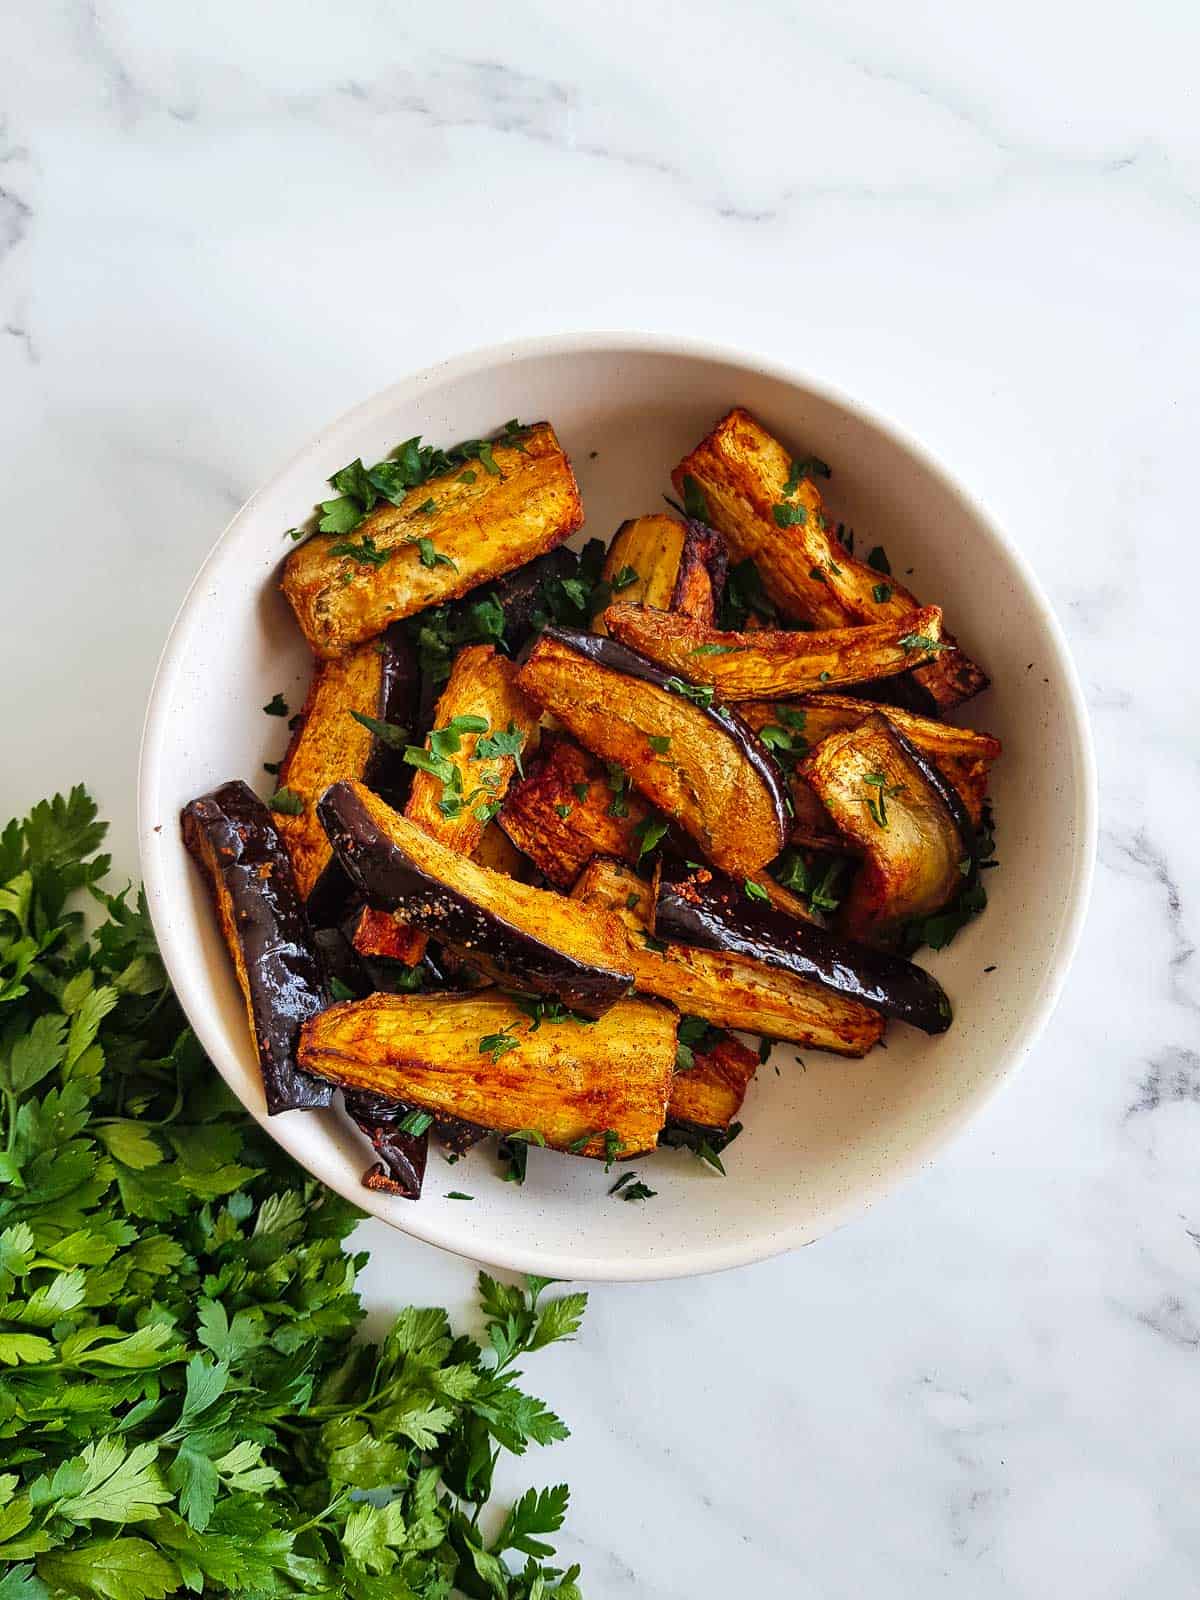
pixel 485 523
pixel 915 837
pixel 707 1096
pixel 713 778
pixel 571 1081
pixel 728 990
pixel 559 827
pixel 742 471
pixel 772 662
pixel 535 939
pixel 705 908
pixel 233 839
pixel 400 1169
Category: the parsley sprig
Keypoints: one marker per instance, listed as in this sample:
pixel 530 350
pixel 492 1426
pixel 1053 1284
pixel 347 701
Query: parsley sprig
pixel 189 1407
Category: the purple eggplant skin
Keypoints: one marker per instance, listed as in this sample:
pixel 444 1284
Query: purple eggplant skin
pixel 388 879
pixel 386 771
pixel 706 908
pixel 233 838
pixel 606 652
pixel 333 900
pixel 402 1156
pixel 903 691
pixel 706 547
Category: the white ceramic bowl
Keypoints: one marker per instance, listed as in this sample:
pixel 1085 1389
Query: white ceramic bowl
pixel 820 1143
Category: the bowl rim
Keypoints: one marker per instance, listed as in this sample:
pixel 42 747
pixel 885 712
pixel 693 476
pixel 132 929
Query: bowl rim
pixel 692 1260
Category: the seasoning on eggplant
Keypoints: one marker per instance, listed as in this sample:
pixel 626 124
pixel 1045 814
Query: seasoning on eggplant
pixel 593 1089
pixel 692 758
pixel 535 938
pixel 774 662
pixel 769 508
pixel 458 531
pixel 373 682
pixel 700 907
pixel 662 562
pixel 902 816
pixel 731 991
pixel 791 730
pixel 400 1169
pixel 708 1094
pixel 234 840
pixel 569 808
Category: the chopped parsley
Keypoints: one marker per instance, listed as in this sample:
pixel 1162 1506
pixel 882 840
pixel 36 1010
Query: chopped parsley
pixel 660 743
pixel 340 990
pixel 276 706
pixel 630 1187
pixel 509 741
pixel 498 1044
pixel 755 891
pixel 881 593
pixel 922 642
pixel 514 1151
pixel 457 1194
pixel 624 578
pixel 387 733
pixel 694 503
pixel 416 1123
pixel 717 649
pixel 618 783
pixel 431 557
pixel 789 515
pixel 648 833
pixel 272 767
pixel 365 552
pixel 287 802
pixel 876 803
pixel 744 597
pixel 877 558
pixel 581 791
pixel 700 693
pixel 613 1145
pixel 564 811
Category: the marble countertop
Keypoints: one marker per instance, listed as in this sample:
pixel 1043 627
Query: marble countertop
pixel 221 225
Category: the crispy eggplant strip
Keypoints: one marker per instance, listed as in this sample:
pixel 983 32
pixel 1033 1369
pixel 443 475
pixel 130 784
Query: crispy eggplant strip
pixel 571 1081
pixel 708 909
pixel 482 686
pixel 728 990
pixel 744 474
pixel 706 1097
pixel 233 839
pixel 962 755
pixel 449 535
pixel 904 819
pixel 697 762
pixel 534 938
pixel 677 566
pixel 774 662
pixel 402 1156
pixel 329 743
pixel 566 811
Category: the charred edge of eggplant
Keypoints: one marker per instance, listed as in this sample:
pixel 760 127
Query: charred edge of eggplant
pixel 607 652
pixel 399 686
pixel 710 910
pixel 282 971
pixel 706 547
pixel 389 879
pixel 333 899
pixel 402 1156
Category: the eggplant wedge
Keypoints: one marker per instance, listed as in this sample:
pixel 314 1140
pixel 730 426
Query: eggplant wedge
pixel 671 565
pixel 532 938
pixel 233 839
pixel 962 755
pixel 450 535
pixel 706 1096
pixel 692 758
pixel 728 990
pixel 770 511
pixel 376 681
pixel 902 817
pixel 700 907
pixel 480 1058
pixel 566 810
pixel 775 662
pixel 402 1156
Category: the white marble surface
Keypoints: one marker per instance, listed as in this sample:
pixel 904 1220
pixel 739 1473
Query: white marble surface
pixel 221 225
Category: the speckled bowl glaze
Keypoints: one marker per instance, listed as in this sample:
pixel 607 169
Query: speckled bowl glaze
pixel 822 1140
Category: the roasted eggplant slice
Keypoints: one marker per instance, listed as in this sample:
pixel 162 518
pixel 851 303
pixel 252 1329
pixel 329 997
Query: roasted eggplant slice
pixel 534 938
pixel 904 818
pixel 376 682
pixel 233 839
pixel 402 1156
pixel 704 908
pixel 567 810
pixel 770 511
pixel 662 562
pixel 479 1057
pixel 691 757
pixel 772 661
pixel 706 1096
pixel 790 730
pixel 451 534
pixel 729 990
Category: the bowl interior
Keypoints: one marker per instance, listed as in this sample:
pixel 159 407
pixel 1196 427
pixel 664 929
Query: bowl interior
pixel 823 1137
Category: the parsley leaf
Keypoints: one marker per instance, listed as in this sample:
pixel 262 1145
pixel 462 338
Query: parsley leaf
pixel 388 733
pixel 287 802
pixel 276 706
pixel 694 503
pixel 700 693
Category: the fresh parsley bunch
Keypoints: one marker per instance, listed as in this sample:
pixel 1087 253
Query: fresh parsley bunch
pixel 184 1404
